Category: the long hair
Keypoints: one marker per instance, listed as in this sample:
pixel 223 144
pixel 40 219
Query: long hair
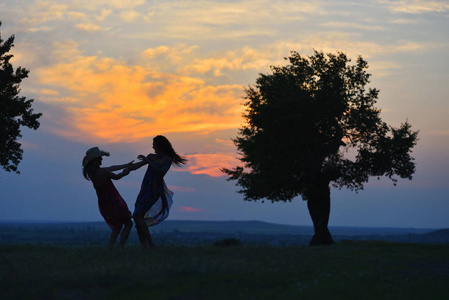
pixel 89 170
pixel 165 146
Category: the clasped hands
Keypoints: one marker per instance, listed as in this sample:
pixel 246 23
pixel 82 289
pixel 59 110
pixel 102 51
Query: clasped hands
pixel 131 166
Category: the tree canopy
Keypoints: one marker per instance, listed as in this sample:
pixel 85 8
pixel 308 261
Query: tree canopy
pixel 313 123
pixel 15 111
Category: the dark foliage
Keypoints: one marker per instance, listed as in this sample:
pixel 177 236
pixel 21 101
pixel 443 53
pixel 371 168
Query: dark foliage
pixel 312 124
pixel 15 111
pixel 228 242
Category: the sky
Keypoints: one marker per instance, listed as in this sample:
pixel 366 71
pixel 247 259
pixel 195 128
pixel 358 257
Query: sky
pixel 116 73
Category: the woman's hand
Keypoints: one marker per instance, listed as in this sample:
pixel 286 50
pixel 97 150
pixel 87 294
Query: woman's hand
pixel 126 171
pixel 143 158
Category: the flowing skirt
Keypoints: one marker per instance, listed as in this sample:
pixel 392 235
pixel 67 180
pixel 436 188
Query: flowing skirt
pixel 154 199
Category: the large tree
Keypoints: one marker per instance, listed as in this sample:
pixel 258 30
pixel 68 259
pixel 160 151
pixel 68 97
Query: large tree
pixel 311 125
pixel 15 111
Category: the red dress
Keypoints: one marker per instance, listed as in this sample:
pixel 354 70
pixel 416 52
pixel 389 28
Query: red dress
pixel 112 206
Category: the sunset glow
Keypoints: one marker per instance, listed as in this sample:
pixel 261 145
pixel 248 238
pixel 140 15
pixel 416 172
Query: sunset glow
pixel 116 73
pixel 189 209
pixel 120 103
pixel 210 164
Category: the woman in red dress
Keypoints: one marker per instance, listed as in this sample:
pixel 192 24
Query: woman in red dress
pixel 112 206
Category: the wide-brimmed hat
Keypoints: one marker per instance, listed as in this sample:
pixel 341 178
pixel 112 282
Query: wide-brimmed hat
pixel 92 154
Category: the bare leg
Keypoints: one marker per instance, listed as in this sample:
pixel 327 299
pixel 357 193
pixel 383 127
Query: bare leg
pixel 143 241
pixel 125 233
pixel 113 237
pixel 143 230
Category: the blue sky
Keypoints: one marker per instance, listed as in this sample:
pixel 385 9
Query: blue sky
pixel 114 74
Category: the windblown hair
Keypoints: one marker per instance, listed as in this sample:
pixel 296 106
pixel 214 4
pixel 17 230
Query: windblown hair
pixel 166 147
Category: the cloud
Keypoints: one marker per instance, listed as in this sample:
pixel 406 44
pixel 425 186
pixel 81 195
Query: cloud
pixel 119 102
pixel 439 133
pixel 225 143
pixel 175 188
pixel 243 59
pixel 94 5
pixel 166 90
pixel 86 15
pixel 88 27
pixel 40 28
pixel 417 6
pixel 104 13
pixel 129 15
pixel 210 163
pixel 351 45
pixel 203 20
pixel 53 100
pixel 259 60
pixel 42 12
pixel 168 57
pixel 353 25
pixel 64 50
pixel 121 4
pixel 174 19
pixel 189 209
pixel 383 68
pixel 48 92
pixel 129 79
pixel 209 13
pixel 405 21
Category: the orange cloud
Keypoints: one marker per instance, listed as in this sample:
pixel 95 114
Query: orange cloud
pixel 117 102
pixel 210 164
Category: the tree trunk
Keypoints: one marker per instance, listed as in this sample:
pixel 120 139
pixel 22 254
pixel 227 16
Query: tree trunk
pixel 318 203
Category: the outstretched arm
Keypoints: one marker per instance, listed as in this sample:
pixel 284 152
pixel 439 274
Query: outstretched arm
pixel 119 167
pixel 143 161
pixel 108 173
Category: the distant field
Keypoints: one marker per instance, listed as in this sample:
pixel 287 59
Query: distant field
pixel 223 226
pixel 193 233
pixel 347 270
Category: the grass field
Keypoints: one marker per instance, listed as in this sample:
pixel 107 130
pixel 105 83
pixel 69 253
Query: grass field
pixel 347 270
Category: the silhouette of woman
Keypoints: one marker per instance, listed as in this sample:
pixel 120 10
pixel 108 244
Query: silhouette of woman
pixel 112 206
pixel 155 199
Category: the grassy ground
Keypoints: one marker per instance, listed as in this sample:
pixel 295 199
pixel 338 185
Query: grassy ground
pixel 348 270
